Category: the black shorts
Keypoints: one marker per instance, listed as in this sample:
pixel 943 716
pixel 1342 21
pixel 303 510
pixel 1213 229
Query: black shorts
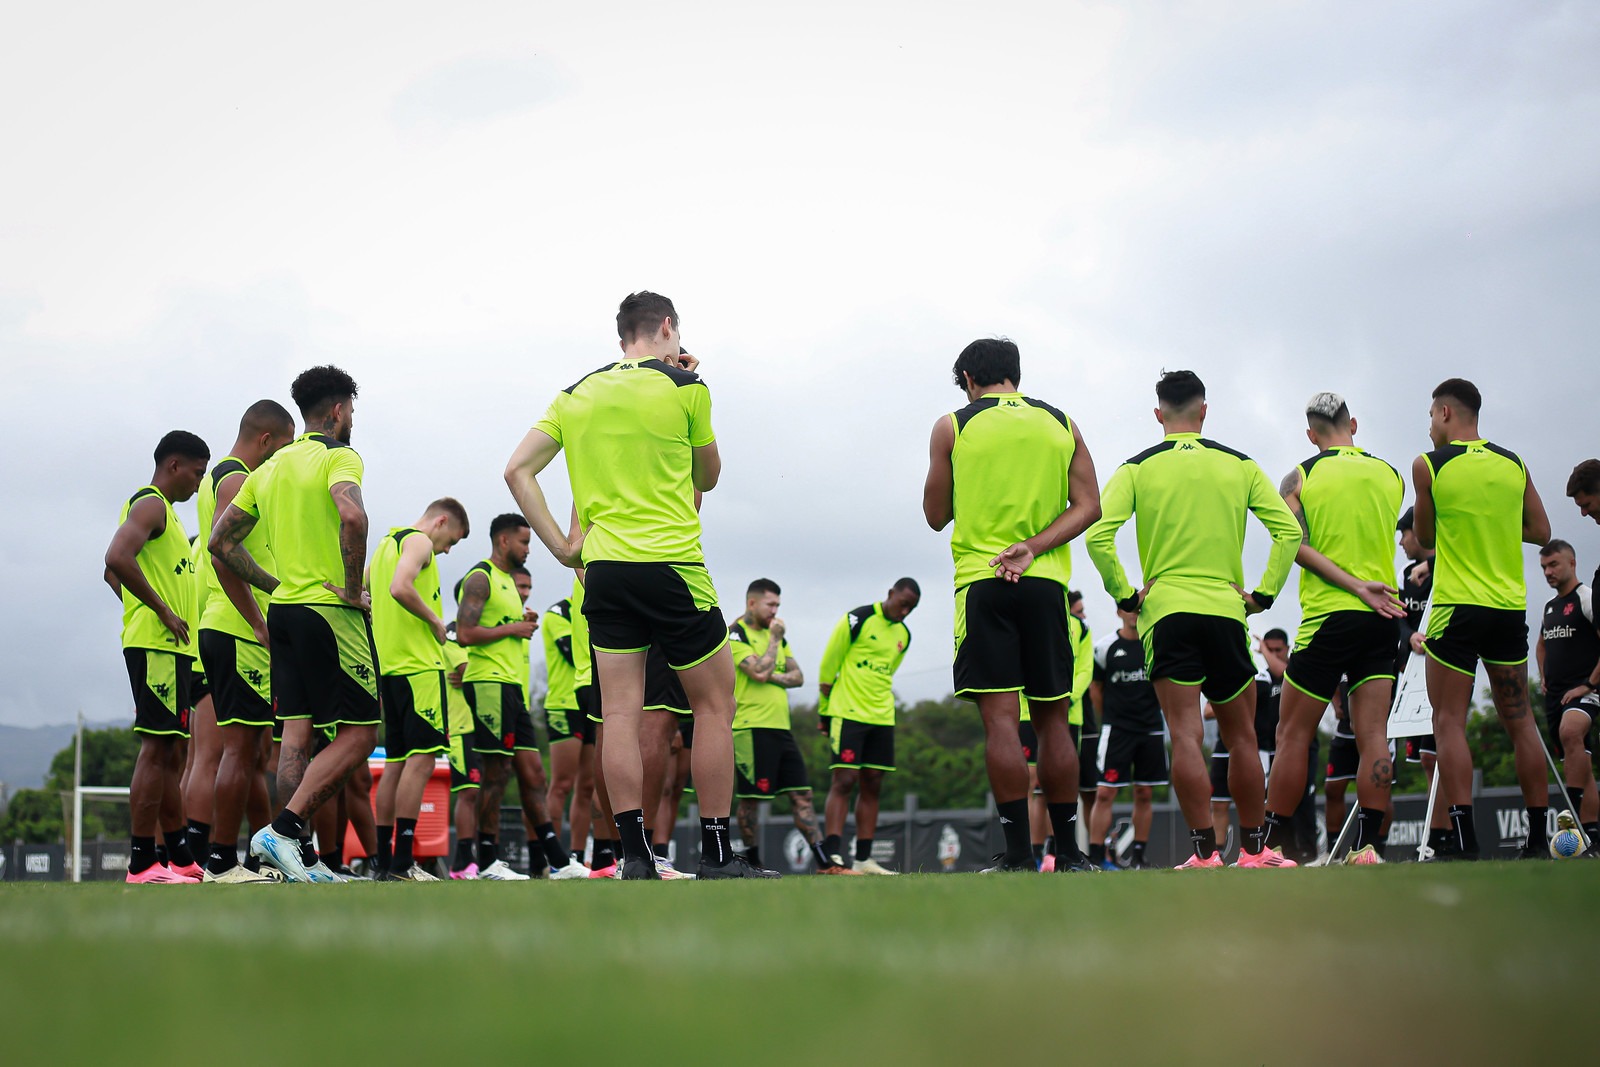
pixel 1419 746
pixel 466 766
pixel 1012 637
pixel 1210 651
pixel 1344 759
pixel 1358 645
pixel 631 606
pixel 199 680
pixel 686 730
pixel 588 714
pixel 662 690
pixel 1219 773
pixel 501 724
pixel 241 673
pixel 324 665
pixel 561 724
pixel 1030 742
pixel 1131 757
pixel 1459 635
pixel 414 709
pixel 767 762
pixel 860 745
pixel 1555 711
pixel 160 683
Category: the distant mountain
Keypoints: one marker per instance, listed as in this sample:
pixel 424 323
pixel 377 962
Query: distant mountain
pixel 26 752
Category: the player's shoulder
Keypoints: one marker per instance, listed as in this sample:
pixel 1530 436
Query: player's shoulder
pixel 1438 457
pixel 329 443
pixel 676 375
pixel 573 388
pixel 1504 453
pixel 962 416
pixel 145 493
pixel 226 469
pixel 1217 446
pixel 1306 465
pixel 1102 648
pixel 1049 408
pixel 561 609
pixel 736 632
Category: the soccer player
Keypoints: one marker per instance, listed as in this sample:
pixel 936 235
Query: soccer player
pixel 233 643
pixel 466 768
pixel 639 445
pixel 1133 750
pixel 1476 504
pixel 324 668
pixel 1568 653
pixel 149 567
pixel 1583 486
pixel 495 628
pixel 1347 501
pixel 1014 476
pixel 766 758
pixel 855 706
pixel 409 631
pixel 561 712
pixel 1189 496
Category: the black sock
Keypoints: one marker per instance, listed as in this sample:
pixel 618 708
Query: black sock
pixel 605 853
pixel 715 849
pixel 1437 838
pixel 463 857
pixel 833 845
pixel 1575 799
pixel 1369 826
pixel 1280 830
pixel 141 854
pixel 630 827
pixel 1538 827
pixel 200 839
pixel 385 846
pixel 252 864
pixel 1138 849
pixel 308 852
pixel 1097 854
pixel 1463 829
pixel 488 850
pixel 1050 843
pixel 863 848
pixel 222 859
pixel 662 849
pixel 752 855
pixel 1064 821
pixel 1014 824
pixel 1591 830
pixel 1253 839
pixel 288 824
pixel 405 839
pixel 178 853
pixel 1204 841
pixel 1380 845
pixel 1038 853
pixel 820 856
pixel 333 857
pixel 546 832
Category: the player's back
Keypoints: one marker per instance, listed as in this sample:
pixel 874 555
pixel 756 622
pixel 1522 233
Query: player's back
pixel 629 431
pixel 1351 501
pixel 1009 464
pixel 1477 499
pixel 291 497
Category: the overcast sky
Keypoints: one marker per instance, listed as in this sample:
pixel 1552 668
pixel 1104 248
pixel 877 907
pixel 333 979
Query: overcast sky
pixel 449 201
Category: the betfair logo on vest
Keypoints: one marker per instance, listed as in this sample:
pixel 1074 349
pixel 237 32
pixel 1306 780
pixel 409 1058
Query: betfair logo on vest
pixel 184 565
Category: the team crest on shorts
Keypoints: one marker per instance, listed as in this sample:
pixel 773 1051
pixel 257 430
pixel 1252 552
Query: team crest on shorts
pixel 1112 775
pixel 762 783
pixel 847 756
pixel 475 775
pixel 509 740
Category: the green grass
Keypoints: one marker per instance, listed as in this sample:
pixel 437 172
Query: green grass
pixel 1491 962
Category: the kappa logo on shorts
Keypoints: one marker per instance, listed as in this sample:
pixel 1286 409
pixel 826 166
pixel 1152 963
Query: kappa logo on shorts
pixel 162 690
pixel 847 756
pixel 361 671
pixel 252 676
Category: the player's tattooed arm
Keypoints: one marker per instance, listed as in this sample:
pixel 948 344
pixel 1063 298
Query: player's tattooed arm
pixel 791 678
pixel 352 543
pixel 1289 489
pixel 757 668
pixel 469 616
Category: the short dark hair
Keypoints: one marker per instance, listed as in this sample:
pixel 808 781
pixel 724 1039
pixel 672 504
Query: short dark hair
pixel 1585 478
pixel 1179 388
pixel 642 311
pixel 1407 521
pixel 265 416
pixel 511 520
pixel 990 361
pixel 1073 597
pixel 1462 391
pixel 1554 545
pixel 181 443
pixel 763 586
pixel 452 507
pixel 1277 633
pixel 320 386
pixel 522 570
pixel 907 583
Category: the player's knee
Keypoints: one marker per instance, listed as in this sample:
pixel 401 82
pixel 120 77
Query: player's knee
pixel 1105 794
pixel 871 782
pixel 1142 794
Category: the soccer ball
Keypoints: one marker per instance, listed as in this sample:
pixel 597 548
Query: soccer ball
pixel 1564 844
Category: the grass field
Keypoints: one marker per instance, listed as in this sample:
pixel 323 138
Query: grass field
pixel 1485 963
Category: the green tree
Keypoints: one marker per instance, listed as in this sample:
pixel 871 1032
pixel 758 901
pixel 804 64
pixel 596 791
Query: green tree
pixel 33 816
pixel 36 815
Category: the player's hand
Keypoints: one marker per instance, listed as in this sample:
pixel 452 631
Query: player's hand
pixel 178 627
pixel 1252 606
pixel 439 633
pixel 359 599
pixel 574 555
pixel 684 361
pixel 1013 563
pixel 523 629
pixel 1418 644
pixel 260 630
pixel 778 629
pixel 456 675
pixel 1381 598
pixel 1420 572
pixel 529 615
pixel 1575 694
